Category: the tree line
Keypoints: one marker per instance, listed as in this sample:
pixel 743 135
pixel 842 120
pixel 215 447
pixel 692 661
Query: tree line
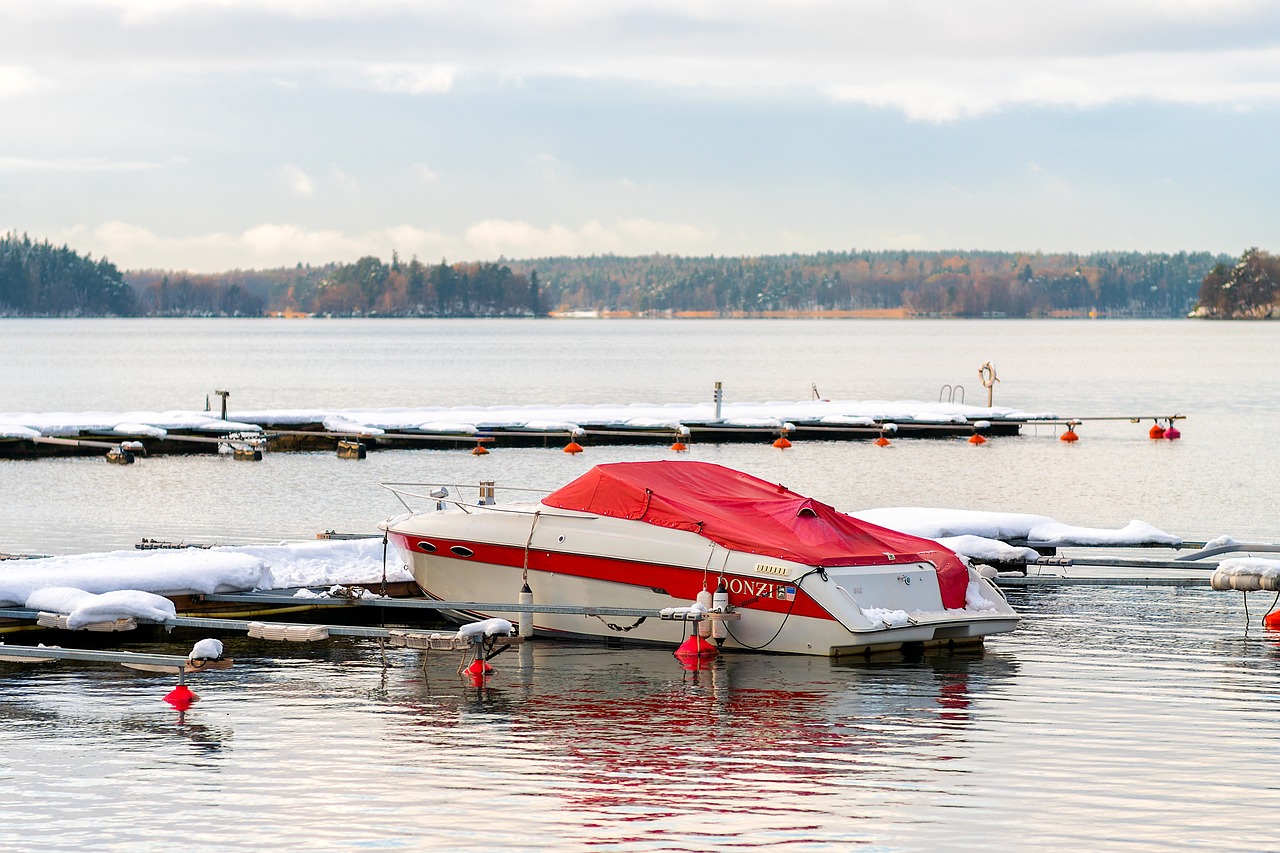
pixel 37 278
pixel 959 284
pixel 1247 289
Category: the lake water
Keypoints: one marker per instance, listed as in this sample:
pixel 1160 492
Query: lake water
pixel 1124 719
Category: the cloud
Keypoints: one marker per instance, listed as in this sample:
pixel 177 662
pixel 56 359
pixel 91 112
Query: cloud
pixel 16 81
pixel 80 164
pixel 344 180
pixel 424 174
pixel 931 61
pixel 411 79
pixel 547 166
pixel 299 180
pixel 518 239
pixel 132 246
pixel 949 90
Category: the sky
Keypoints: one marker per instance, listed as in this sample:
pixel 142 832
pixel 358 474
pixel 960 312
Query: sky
pixel 237 134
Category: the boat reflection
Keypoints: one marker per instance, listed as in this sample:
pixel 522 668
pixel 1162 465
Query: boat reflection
pixel 609 729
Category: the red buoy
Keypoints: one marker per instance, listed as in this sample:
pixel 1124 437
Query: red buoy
pixel 181 697
pixel 1069 435
pixel 881 442
pixel 1172 433
pixel 1157 431
pixel 782 443
pixel 479 666
pixel 679 447
pixel 479 450
pixel 977 439
pixel 1272 620
pixel 573 447
pixel 696 647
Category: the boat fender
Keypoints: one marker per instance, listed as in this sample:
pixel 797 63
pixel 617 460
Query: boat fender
pixel 704 625
pixel 720 604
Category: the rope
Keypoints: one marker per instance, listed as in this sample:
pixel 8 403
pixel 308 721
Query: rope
pixel 619 628
pixel 799 581
pixel 532 527
pixel 383 590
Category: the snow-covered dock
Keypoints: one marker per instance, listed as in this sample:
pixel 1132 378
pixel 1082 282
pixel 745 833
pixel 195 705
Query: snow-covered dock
pixel 30 434
pixel 143 584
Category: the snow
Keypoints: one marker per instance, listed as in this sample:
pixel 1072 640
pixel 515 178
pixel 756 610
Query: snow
pixel 85 608
pixel 982 548
pixel 337 423
pixel 153 424
pixel 1256 566
pixel 1247 574
pixel 193 570
pixel 486 628
pixel 975 599
pixel 207 649
pixel 889 618
pixel 121 604
pixel 125 428
pixel 943 523
pixel 467 420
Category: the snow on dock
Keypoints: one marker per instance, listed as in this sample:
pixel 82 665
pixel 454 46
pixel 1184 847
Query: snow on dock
pixel 188 571
pixel 34 434
pixel 83 584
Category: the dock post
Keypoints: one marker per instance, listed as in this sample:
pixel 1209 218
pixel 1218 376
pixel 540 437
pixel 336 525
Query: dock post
pixel 224 395
pixel 718 397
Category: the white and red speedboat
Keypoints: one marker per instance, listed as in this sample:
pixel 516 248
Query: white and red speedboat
pixel 804 577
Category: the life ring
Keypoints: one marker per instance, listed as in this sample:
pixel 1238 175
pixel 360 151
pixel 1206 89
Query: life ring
pixel 987 373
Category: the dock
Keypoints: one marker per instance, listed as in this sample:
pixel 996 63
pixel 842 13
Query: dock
pixel 350 433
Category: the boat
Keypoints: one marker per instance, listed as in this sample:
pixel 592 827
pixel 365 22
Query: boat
pixel 799 576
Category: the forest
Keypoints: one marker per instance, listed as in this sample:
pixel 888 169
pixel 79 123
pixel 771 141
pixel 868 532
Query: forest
pixel 38 279
pixel 931 284
pixel 1248 289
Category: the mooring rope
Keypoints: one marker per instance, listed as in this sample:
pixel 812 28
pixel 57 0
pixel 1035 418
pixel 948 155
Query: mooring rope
pixel 383 590
pixel 527 542
pixel 820 571
pixel 619 628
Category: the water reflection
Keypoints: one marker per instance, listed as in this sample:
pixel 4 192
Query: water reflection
pixel 632 736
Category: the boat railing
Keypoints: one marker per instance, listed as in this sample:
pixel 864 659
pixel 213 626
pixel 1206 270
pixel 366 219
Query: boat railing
pixel 485 491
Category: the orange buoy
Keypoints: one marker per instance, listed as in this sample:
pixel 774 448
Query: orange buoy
pixel 1272 620
pixel 1069 435
pixel 479 450
pixel 1172 433
pixel 1157 431
pixel 782 443
pixel 573 447
pixel 977 439
pixel 881 442
pixel 679 447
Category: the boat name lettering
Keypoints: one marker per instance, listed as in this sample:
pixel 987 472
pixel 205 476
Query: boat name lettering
pixel 760 589
pixel 766 569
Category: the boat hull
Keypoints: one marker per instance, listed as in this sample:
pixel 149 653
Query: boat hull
pixel 486 556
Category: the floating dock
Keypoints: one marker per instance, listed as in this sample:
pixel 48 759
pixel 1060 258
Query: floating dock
pixel 350 433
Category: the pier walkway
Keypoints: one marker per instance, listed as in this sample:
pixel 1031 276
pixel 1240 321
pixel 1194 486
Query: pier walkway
pixel 122 436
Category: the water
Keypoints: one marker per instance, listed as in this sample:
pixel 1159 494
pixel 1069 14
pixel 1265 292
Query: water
pixel 1125 719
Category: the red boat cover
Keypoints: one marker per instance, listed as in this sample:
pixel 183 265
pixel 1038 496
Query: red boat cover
pixel 748 514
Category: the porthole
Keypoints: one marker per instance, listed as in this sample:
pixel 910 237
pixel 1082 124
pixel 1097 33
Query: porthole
pixel 462 551
pixel 427 546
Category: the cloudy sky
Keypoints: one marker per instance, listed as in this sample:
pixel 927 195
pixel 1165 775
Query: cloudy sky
pixel 250 133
